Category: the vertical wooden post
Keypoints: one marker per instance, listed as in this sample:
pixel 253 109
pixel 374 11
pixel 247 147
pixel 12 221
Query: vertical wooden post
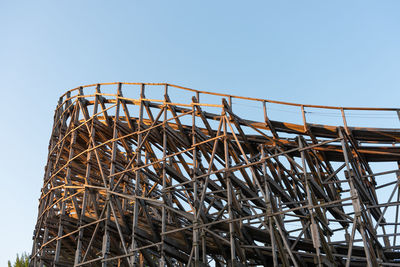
pixel 110 185
pixel 227 179
pixel 195 192
pixel 137 191
pixel 304 118
pixel 344 121
pixel 164 180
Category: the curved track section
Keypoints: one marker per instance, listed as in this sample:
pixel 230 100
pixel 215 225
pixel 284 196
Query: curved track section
pixel 161 175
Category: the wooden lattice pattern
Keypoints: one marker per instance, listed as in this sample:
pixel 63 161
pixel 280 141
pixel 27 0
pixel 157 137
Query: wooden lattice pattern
pixel 185 179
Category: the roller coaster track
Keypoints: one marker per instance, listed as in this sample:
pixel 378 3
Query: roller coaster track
pixel 185 178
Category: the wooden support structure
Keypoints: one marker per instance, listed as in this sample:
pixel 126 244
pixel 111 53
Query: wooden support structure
pixel 162 175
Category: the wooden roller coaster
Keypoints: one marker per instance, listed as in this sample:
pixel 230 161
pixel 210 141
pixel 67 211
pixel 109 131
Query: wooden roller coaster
pixel 162 175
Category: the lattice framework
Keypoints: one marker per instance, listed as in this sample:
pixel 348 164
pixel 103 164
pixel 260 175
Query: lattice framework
pixel 136 181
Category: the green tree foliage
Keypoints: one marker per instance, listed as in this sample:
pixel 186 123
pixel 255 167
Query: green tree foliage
pixel 22 261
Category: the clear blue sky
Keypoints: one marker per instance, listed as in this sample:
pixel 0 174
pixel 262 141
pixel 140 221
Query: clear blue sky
pixel 326 52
